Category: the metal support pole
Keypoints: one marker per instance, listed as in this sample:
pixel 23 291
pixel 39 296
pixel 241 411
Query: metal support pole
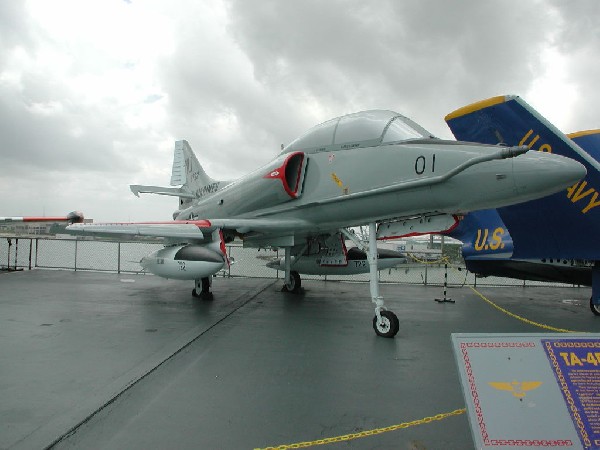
pixel 445 299
pixel 16 253
pixel 75 268
pixel 118 257
pixel 376 298
pixel 229 265
pixel 288 264
pixel 30 251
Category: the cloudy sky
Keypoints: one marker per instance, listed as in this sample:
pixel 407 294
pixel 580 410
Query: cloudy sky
pixel 93 93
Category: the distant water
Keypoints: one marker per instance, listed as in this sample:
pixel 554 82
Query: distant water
pixel 248 262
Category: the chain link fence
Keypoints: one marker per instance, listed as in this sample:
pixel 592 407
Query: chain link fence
pixel 19 253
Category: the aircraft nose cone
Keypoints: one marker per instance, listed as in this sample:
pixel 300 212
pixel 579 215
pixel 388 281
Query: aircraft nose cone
pixel 573 171
pixel 546 173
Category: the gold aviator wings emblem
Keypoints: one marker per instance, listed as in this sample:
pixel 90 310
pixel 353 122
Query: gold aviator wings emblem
pixel 518 389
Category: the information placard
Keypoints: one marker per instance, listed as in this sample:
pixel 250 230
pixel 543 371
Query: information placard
pixel 531 390
pixel 576 365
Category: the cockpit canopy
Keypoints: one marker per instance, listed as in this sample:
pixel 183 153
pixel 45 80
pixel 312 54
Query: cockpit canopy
pixel 361 129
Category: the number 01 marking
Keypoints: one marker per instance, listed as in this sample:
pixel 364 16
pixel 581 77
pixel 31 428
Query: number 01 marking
pixel 421 164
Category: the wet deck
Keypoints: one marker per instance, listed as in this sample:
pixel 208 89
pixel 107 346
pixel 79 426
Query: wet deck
pixel 118 361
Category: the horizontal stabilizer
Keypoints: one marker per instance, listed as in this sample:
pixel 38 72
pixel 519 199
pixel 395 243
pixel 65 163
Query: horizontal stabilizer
pixel 138 189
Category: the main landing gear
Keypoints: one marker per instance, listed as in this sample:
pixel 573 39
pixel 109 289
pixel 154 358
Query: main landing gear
pixel 202 289
pixel 292 281
pixel 385 322
pixel 294 284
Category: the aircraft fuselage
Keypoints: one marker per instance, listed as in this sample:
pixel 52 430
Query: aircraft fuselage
pixel 348 187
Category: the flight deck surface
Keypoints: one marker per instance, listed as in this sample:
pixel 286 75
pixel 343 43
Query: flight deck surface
pixel 93 360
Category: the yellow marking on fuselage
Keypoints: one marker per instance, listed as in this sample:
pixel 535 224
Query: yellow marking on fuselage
pixel 336 180
pixel 484 241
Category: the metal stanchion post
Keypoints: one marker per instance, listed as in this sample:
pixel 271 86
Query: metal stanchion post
pixel 30 251
pixel 9 240
pixel 445 299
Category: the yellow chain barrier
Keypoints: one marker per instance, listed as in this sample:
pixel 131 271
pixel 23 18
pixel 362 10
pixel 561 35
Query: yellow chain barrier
pixel 522 319
pixel 443 259
pixel 499 308
pixel 362 434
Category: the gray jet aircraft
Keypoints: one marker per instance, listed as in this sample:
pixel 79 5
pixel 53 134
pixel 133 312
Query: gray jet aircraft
pixel 375 168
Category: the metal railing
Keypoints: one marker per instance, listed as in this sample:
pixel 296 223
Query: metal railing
pixel 27 253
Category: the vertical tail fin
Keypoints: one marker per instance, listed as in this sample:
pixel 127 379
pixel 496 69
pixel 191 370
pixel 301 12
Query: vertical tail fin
pixel 511 121
pixel 188 174
pixel 557 226
pixel 187 171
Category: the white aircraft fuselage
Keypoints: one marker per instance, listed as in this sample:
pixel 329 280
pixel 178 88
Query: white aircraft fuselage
pixel 306 193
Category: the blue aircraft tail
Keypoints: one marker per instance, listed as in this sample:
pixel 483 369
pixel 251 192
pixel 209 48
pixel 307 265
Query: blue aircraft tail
pixel 589 141
pixel 563 225
pixel 484 236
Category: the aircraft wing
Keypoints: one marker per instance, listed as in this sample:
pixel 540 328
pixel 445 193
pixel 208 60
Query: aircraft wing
pixel 562 225
pixel 194 230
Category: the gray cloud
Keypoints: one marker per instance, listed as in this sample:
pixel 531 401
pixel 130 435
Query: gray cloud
pixel 244 78
pixel 14 26
pixel 404 55
pixel 578 38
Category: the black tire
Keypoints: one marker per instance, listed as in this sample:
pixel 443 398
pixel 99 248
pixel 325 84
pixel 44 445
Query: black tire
pixel 205 285
pixel 205 293
pixel 595 308
pixel 295 283
pixel 389 326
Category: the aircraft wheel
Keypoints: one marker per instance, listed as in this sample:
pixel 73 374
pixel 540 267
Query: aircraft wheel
pixel 595 308
pixel 295 283
pixel 389 325
pixel 205 293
